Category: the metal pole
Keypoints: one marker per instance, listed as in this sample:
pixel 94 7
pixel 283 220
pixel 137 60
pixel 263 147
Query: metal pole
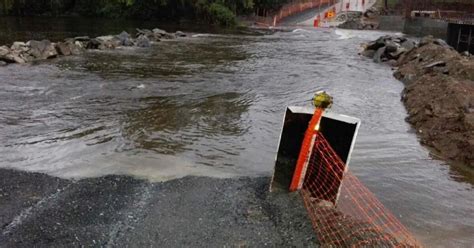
pixel 469 41
pixel 459 38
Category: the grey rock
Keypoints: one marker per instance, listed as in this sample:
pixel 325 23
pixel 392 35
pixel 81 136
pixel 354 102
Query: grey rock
pixel 42 49
pixel 123 35
pixel 93 44
pixel 3 63
pixel 63 49
pixel 441 42
pixel 19 46
pixel 82 38
pixel 397 53
pixel 4 50
pixel 180 34
pixel 466 54
pixel 68 47
pixel 169 36
pixel 377 44
pixel 378 55
pixel 392 62
pixel 426 40
pixel 391 47
pixel 105 38
pixel 408 45
pixel 398 75
pixel 75 49
pixel 108 42
pixel 160 32
pixel 368 53
pixel 14 58
pixel 145 32
pixel 80 44
pixel 143 41
pixel 125 39
pixel 352 24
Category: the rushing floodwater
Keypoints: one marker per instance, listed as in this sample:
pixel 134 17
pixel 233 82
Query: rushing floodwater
pixel 212 105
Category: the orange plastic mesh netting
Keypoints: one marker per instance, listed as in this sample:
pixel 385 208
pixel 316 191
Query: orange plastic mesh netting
pixel 343 211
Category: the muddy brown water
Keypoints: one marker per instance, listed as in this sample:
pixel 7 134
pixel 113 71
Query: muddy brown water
pixel 212 105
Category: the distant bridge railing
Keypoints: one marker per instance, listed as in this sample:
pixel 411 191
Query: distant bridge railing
pixel 290 9
pixel 334 6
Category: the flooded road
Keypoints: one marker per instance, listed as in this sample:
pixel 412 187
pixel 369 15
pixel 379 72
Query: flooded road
pixel 212 105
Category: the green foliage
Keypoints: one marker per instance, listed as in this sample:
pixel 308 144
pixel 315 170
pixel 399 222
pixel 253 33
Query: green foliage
pixel 222 12
pixel 221 15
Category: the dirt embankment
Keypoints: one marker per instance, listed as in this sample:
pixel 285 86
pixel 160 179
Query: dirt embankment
pixel 439 93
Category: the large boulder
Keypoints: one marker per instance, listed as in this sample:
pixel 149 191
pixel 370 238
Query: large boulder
pixel 75 48
pixel 180 34
pixel 125 39
pixel 42 49
pixel 442 43
pixel 14 57
pixel 93 44
pixel 391 46
pixel 146 32
pixel 4 50
pixel 379 55
pixel 5 54
pixel 155 35
pixel 408 45
pixel 143 41
pixel 426 40
pixel 352 24
pixel 368 53
pixel 377 44
pixel 80 44
pixel 108 42
pixel 159 32
pixel 19 47
pixel 82 38
pixel 396 54
pixel 68 48
pixel 63 49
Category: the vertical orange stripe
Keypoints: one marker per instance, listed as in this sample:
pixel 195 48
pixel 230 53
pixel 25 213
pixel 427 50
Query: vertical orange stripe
pixel 305 149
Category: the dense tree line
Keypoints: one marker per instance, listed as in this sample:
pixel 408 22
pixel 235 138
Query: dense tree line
pixel 213 11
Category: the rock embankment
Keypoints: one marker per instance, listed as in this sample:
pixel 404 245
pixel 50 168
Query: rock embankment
pixel 24 52
pixel 439 92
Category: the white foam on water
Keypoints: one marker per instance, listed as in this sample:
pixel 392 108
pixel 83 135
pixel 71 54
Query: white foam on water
pixel 299 30
pixel 202 35
pixel 344 34
pixel 154 167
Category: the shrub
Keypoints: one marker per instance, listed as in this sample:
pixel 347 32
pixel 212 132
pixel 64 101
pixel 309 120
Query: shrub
pixel 221 15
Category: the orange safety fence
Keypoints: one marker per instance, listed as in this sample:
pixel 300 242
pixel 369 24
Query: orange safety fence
pixel 289 9
pixel 343 211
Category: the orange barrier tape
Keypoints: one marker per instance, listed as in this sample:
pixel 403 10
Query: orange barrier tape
pixel 343 211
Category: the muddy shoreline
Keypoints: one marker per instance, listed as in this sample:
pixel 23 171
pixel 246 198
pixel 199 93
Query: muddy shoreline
pixel 40 210
pixel 438 94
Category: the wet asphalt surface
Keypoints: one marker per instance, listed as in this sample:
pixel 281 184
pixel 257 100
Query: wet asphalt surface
pixel 37 210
